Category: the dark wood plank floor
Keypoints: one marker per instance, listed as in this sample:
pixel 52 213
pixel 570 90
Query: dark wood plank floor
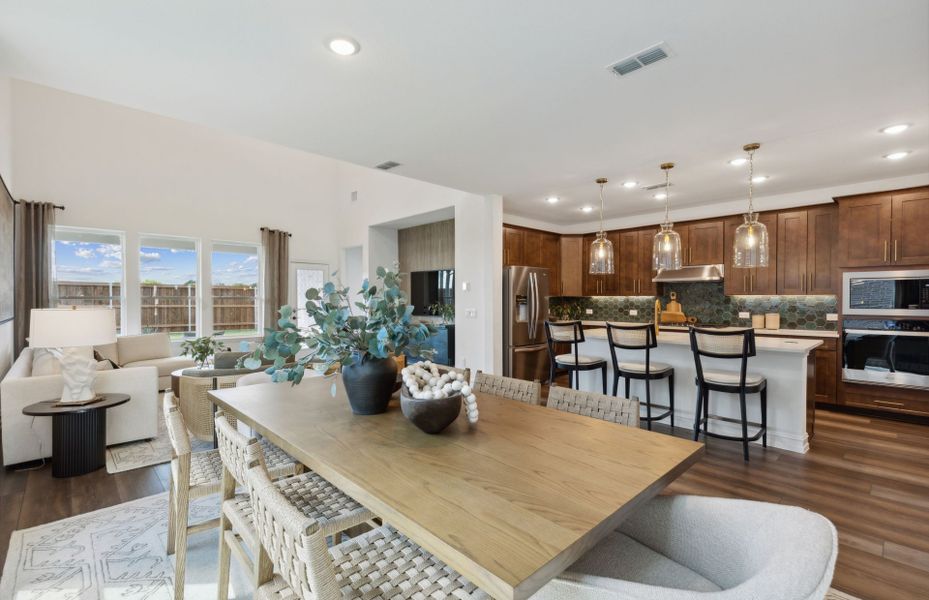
pixel 869 476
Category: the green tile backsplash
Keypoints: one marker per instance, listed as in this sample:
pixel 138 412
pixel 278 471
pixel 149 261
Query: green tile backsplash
pixel 707 302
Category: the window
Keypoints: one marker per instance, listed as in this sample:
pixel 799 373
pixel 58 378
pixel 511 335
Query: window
pixel 305 276
pixel 168 272
pixel 235 289
pixel 88 269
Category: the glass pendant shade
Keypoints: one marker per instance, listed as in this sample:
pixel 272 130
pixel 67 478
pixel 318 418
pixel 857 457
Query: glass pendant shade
pixel 666 249
pixel 601 256
pixel 750 247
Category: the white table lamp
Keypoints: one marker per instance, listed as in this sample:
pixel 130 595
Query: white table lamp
pixel 62 331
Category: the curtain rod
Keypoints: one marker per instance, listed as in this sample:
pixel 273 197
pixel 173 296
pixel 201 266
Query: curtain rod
pixel 269 229
pixel 58 206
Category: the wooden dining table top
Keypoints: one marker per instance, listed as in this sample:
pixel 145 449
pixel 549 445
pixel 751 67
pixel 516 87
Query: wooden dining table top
pixel 509 503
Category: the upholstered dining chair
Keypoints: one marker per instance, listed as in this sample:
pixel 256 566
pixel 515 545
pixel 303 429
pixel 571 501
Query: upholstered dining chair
pixel 529 392
pixel 381 563
pixel 195 475
pixel 624 411
pixel 641 338
pixel 572 334
pixel 700 548
pixel 311 494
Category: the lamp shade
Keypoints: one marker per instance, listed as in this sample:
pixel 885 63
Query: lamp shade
pixel 70 327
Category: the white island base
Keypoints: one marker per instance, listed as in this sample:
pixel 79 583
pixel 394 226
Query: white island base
pixel 787 364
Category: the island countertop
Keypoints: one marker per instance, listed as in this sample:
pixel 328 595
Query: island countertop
pixel 762 344
pixel 816 333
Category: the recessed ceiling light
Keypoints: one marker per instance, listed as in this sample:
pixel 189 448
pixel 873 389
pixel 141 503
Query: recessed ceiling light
pixel 895 129
pixel 344 46
pixel 552 199
pixel 660 196
pixel 587 208
pixel 738 162
pixel 630 184
pixel 759 178
pixel 896 155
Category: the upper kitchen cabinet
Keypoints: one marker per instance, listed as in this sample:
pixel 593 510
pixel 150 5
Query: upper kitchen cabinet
pixel 572 264
pixel 701 242
pixel 551 260
pixel 884 229
pixel 757 280
pixel 601 285
pixel 805 241
pixel 513 246
pixel 634 263
pixel 531 248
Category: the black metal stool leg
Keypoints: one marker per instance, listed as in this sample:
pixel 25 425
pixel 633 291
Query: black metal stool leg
pixel 671 398
pixel 615 382
pixel 697 412
pixel 706 409
pixel 648 403
pixel 603 370
pixel 764 417
pixel 551 374
pixel 744 423
pixel 627 386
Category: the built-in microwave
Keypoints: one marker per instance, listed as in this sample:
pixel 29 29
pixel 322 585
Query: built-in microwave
pixel 890 352
pixel 903 293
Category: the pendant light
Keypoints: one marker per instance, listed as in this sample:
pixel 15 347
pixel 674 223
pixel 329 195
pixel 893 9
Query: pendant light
pixel 750 248
pixel 601 250
pixel 666 249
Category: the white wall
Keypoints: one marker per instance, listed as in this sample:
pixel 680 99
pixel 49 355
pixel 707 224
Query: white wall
pixel 6 170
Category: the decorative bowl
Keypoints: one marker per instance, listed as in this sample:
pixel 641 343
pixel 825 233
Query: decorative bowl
pixel 431 416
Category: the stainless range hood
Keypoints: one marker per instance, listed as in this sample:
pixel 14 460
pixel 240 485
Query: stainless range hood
pixel 690 273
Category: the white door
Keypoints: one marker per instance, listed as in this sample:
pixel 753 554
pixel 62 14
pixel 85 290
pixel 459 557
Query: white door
pixel 303 276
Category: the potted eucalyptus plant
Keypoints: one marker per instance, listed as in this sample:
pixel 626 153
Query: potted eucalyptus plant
pixel 201 349
pixel 361 337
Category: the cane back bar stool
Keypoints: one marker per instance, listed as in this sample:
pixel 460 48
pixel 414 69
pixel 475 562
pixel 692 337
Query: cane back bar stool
pixel 195 475
pixel 529 392
pixel 624 411
pixel 640 337
pixel 570 332
pixel 381 563
pixel 309 493
pixel 733 345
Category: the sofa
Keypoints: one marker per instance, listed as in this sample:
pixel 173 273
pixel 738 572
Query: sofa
pixel 28 438
pixel 146 350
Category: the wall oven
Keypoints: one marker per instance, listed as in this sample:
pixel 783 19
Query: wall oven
pixel 888 352
pixel 903 293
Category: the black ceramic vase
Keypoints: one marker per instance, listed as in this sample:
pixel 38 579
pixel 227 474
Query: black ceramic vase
pixel 369 385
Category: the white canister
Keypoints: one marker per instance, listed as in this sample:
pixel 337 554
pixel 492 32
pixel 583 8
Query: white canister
pixel 772 321
pixel 758 321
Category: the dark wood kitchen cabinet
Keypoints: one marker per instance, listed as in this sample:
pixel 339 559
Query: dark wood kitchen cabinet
pixel 572 267
pixel 602 285
pixel 805 242
pixel 533 248
pixel 826 371
pixel 757 280
pixel 551 260
pixel 822 237
pixel 886 228
pixel 791 239
pixel 634 263
pixel 513 246
pixel 701 242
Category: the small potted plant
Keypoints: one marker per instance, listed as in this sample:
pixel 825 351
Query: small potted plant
pixel 201 349
pixel 446 311
pixel 361 337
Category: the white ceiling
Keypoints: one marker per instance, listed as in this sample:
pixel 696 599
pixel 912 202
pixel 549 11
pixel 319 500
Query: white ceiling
pixel 513 97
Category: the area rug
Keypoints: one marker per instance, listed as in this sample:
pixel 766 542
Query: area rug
pixel 145 453
pixel 116 552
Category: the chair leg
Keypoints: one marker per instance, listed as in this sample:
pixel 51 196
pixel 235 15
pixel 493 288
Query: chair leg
pixel 744 424
pixel 603 371
pixel 671 398
pixel 706 409
pixel 615 382
pixel 697 411
pixel 764 417
pixel 222 590
pixel 626 379
pixel 172 517
pixel 551 374
pixel 648 404
pixel 180 555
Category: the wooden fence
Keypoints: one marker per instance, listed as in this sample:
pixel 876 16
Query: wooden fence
pixel 169 308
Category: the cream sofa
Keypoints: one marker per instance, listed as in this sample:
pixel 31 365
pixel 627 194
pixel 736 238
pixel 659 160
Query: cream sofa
pixel 28 438
pixel 147 350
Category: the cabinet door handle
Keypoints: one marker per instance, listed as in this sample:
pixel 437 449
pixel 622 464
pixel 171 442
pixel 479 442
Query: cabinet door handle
pixel 888 403
pixel 803 282
pixel 895 250
pixel 744 283
pixel 809 286
pixel 690 250
pixel 885 250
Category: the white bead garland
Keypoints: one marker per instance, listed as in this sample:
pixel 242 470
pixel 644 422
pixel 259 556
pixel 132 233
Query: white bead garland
pixel 424 383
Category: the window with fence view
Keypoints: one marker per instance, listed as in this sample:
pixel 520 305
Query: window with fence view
pixel 168 271
pixel 235 283
pixel 88 269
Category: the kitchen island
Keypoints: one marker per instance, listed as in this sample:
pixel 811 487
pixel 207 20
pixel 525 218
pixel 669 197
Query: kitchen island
pixel 787 363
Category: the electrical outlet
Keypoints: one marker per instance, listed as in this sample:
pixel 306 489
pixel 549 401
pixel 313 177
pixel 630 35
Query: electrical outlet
pixel 745 315
pixel 633 312
pixel 832 316
pixel 588 311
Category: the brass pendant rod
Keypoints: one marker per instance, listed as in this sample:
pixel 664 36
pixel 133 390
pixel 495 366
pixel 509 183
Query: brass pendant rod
pixel 602 182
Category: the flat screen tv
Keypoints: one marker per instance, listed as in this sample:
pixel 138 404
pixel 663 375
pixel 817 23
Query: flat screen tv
pixel 431 287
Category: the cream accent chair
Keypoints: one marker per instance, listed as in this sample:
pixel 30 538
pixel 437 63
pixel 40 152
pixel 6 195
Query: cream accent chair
pixel 30 438
pixel 147 350
pixel 699 548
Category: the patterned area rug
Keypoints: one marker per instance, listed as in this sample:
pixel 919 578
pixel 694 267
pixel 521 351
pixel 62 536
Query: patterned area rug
pixel 116 552
pixel 135 455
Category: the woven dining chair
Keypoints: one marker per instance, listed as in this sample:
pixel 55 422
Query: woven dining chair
pixel 195 475
pixel 529 392
pixel 381 563
pixel 311 494
pixel 624 411
pixel 195 402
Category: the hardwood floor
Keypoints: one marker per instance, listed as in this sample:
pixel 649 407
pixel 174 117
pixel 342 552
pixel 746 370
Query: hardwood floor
pixel 869 476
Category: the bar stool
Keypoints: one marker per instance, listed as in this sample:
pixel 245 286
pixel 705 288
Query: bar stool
pixel 728 345
pixel 640 337
pixel 570 332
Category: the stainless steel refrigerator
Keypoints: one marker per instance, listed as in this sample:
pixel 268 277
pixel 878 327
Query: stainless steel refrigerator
pixel 525 309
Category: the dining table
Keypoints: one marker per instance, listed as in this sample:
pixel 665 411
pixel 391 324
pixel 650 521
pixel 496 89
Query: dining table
pixel 509 502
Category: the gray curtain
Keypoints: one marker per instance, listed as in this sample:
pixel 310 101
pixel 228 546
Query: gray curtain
pixel 32 223
pixel 276 245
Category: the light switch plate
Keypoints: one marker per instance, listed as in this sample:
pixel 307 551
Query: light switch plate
pixel 633 312
pixel 745 314
pixel 588 311
pixel 832 316
pixel 465 286
pixel 471 313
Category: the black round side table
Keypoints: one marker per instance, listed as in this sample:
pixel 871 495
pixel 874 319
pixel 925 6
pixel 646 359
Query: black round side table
pixel 78 433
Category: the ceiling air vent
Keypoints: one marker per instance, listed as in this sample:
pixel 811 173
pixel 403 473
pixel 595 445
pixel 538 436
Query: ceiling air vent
pixel 657 186
pixel 644 58
pixel 388 165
